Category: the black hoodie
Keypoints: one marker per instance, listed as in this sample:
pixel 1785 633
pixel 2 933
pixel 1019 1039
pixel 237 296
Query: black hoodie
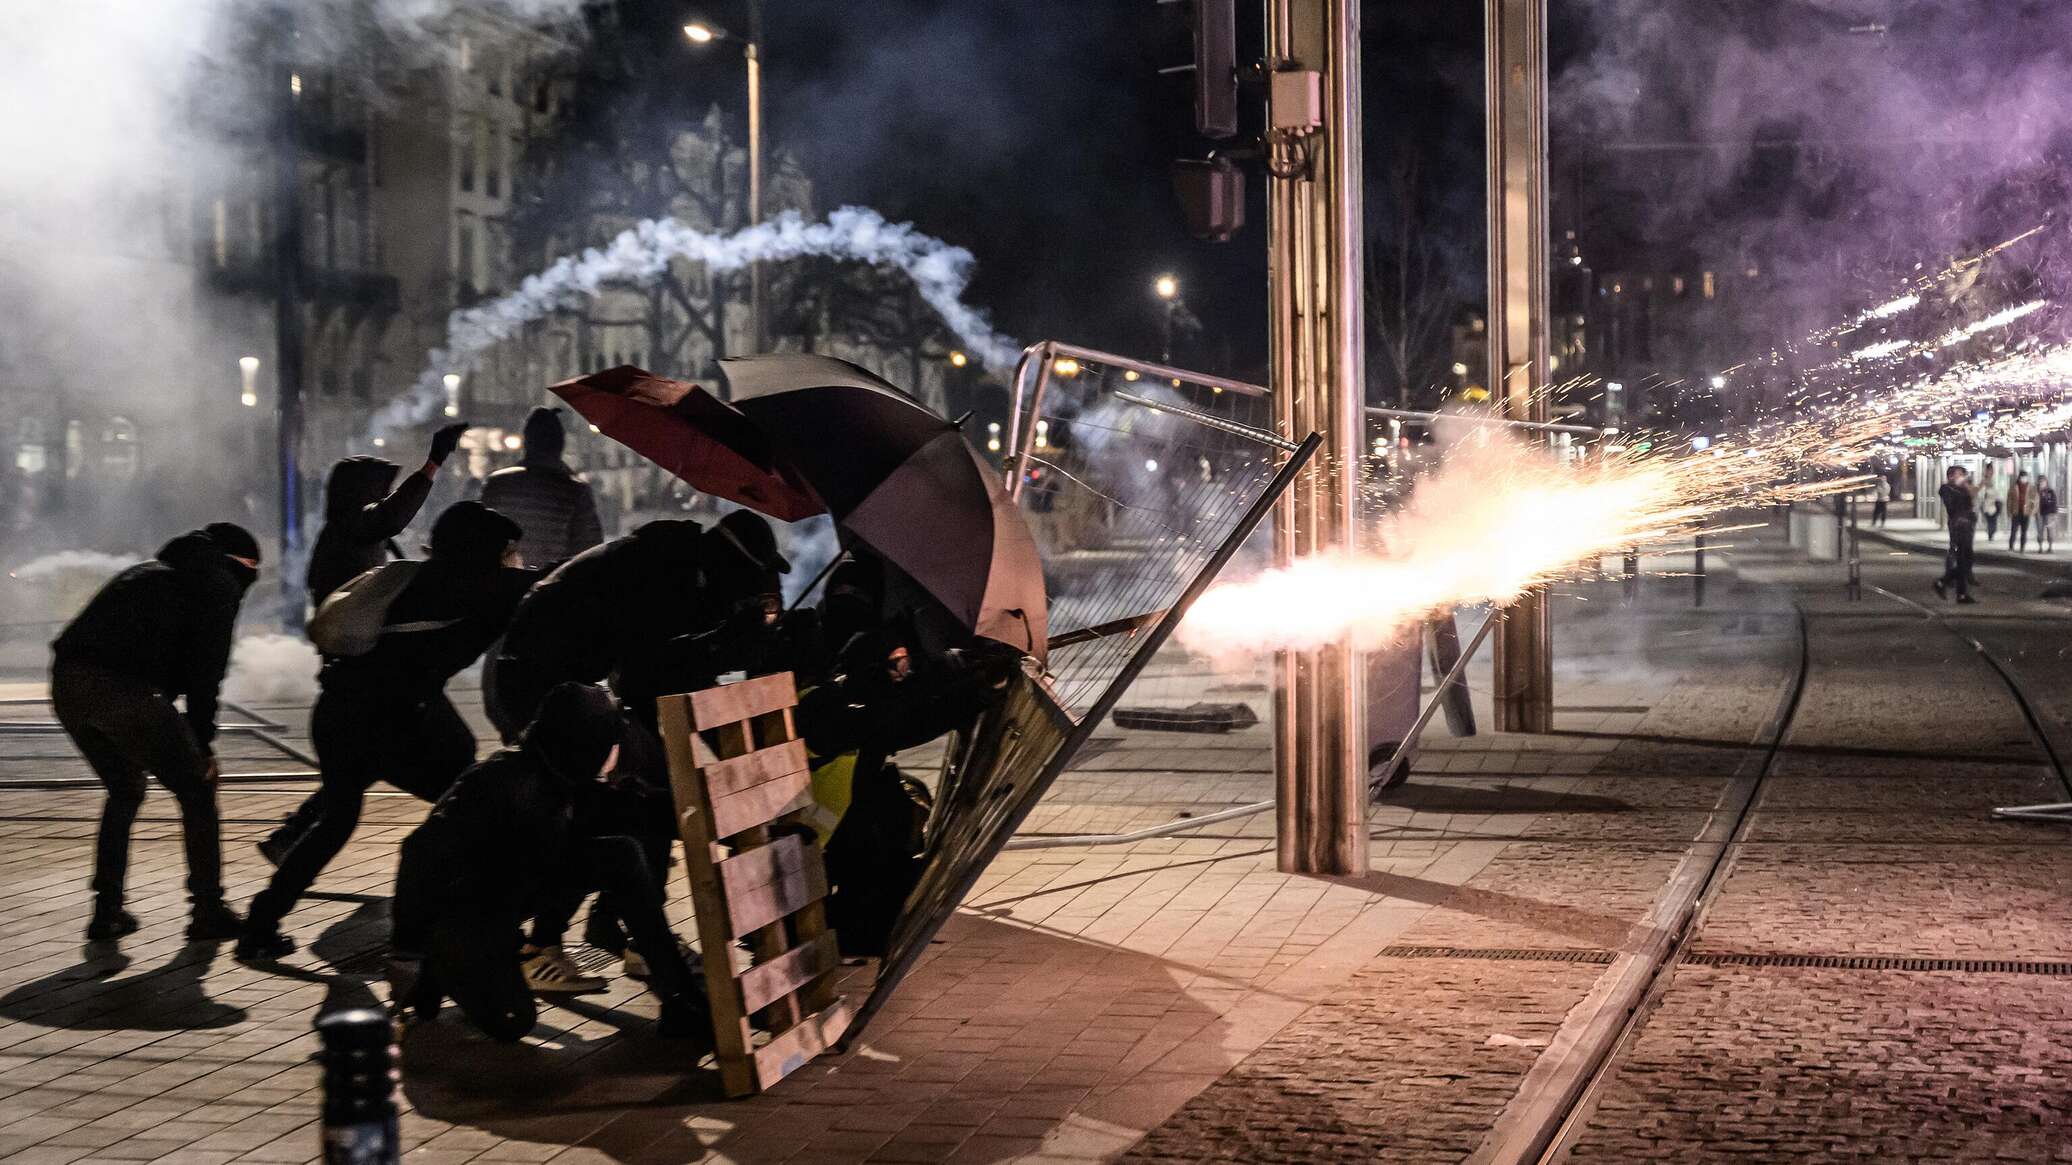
pixel 361 519
pixel 502 829
pixel 167 623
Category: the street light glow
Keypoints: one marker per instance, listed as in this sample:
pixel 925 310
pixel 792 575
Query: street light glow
pixel 1460 369
pixel 248 363
pixel 1719 382
pixel 248 373
pixel 700 33
pixel 1065 366
pixel 452 382
pixel 959 359
pixel 1166 286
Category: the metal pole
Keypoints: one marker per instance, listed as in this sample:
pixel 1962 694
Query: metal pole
pixel 1698 569
pixel 758 340
pixel 1315 318
pixel 1516 80
pixel 1855 554
pixel 288 323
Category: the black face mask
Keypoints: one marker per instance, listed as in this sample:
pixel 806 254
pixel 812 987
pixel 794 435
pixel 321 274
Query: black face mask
pixel 244 575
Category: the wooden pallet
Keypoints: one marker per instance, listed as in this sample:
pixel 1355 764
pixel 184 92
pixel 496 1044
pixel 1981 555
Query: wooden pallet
pixel 738 767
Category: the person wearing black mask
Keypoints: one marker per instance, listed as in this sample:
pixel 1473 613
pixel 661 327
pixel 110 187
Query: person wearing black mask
pixel 363 516
pixel 158 631
pixel 665 609
pixel 384 715
pixel 471 873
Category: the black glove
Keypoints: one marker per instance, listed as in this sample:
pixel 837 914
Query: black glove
pixel 446 440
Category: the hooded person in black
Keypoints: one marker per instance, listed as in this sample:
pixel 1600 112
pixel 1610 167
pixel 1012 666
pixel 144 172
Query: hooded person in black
pixel 158 631
pixel 363 516
pixel 636 610
pixel 665 609
pixel 470 874
pixel 384 715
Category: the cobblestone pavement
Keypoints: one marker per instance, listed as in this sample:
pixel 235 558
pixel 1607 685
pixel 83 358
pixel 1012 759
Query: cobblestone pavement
pixel 1178 999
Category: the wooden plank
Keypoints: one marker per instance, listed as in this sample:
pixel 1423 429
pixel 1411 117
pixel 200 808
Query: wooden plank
pixel 759 804
pixel 723 778
pixel 798 967
pixel 732 1037
pixel 731 703
pixel 766 884
pixel 769 944
pixel 792 1050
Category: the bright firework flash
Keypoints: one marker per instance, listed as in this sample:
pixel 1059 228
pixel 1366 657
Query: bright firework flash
pixel 1499 518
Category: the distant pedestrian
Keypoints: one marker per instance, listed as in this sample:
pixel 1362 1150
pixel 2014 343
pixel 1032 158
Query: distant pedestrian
pixel 2046 514
pixel 554 506
pixel 1961 511
pixel 1990 498
pixel 157 631
pixel 362 515
pixel 1881 494
pixel 2021 506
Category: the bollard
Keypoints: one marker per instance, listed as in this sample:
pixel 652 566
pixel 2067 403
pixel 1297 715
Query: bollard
pixel 1631 566
pixel 1698 569
pixel 358 1059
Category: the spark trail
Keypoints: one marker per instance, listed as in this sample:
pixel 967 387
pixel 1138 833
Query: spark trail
pixel 941 272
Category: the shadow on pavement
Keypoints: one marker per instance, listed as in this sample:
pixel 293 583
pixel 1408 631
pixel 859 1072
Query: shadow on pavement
pixel 89 995
pixel 1452 798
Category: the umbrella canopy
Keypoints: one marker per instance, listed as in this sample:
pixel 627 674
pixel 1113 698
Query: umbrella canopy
pixel 693 435
pixel 902 481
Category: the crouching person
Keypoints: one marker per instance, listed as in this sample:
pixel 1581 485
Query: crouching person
pixel 503 834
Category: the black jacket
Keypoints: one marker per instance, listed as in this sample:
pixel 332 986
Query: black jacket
pixel 612 603
pixel 501 833
pixel 556 508
pixel 415 665
pixel 1958 502
pixel 362 517
pixel 168 623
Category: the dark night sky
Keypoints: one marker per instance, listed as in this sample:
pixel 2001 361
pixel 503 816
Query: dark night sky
pixel 1039 135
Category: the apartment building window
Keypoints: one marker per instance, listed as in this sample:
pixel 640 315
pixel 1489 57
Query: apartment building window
pixel 469 144
pixel 493 170
pixel 219 229
pixel 493 71
pixel 464 248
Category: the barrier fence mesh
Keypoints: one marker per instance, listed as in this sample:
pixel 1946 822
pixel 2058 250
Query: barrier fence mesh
pixel 1137 492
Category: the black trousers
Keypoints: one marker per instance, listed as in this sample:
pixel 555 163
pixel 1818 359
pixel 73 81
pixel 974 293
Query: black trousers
pixel 419 747
pixel 1878 512
pixel 470 946
pixel 126 729
pixel 1957 564
pixel 2018 531
pixel 644 811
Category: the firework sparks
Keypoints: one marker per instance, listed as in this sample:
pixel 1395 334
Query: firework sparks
pixel 1499 518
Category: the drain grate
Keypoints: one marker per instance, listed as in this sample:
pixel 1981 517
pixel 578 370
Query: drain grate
pixel 1880 963
pixel 1499 954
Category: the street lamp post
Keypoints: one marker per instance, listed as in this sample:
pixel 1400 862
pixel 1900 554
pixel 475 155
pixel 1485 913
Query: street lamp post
pixel 1167 288
pixel 700 32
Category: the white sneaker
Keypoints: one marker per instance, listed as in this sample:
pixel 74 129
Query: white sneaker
pixel 548 971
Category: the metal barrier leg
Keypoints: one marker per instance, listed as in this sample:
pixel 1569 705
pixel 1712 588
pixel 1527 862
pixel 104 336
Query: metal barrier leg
pixel 1698 569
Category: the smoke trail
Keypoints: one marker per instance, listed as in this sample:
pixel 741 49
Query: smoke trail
pixel 940 272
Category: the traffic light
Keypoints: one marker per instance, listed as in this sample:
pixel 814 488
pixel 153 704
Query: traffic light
pixel 1215 68
pixel 1212 197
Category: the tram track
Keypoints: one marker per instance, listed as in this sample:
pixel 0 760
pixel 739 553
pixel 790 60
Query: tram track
pixel 1557 1100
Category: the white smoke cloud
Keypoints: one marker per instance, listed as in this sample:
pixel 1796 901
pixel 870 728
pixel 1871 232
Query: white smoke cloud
pixel 272 669
pixel 941 272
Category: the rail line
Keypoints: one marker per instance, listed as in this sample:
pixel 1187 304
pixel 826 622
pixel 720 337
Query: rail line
pixel 1560 1094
